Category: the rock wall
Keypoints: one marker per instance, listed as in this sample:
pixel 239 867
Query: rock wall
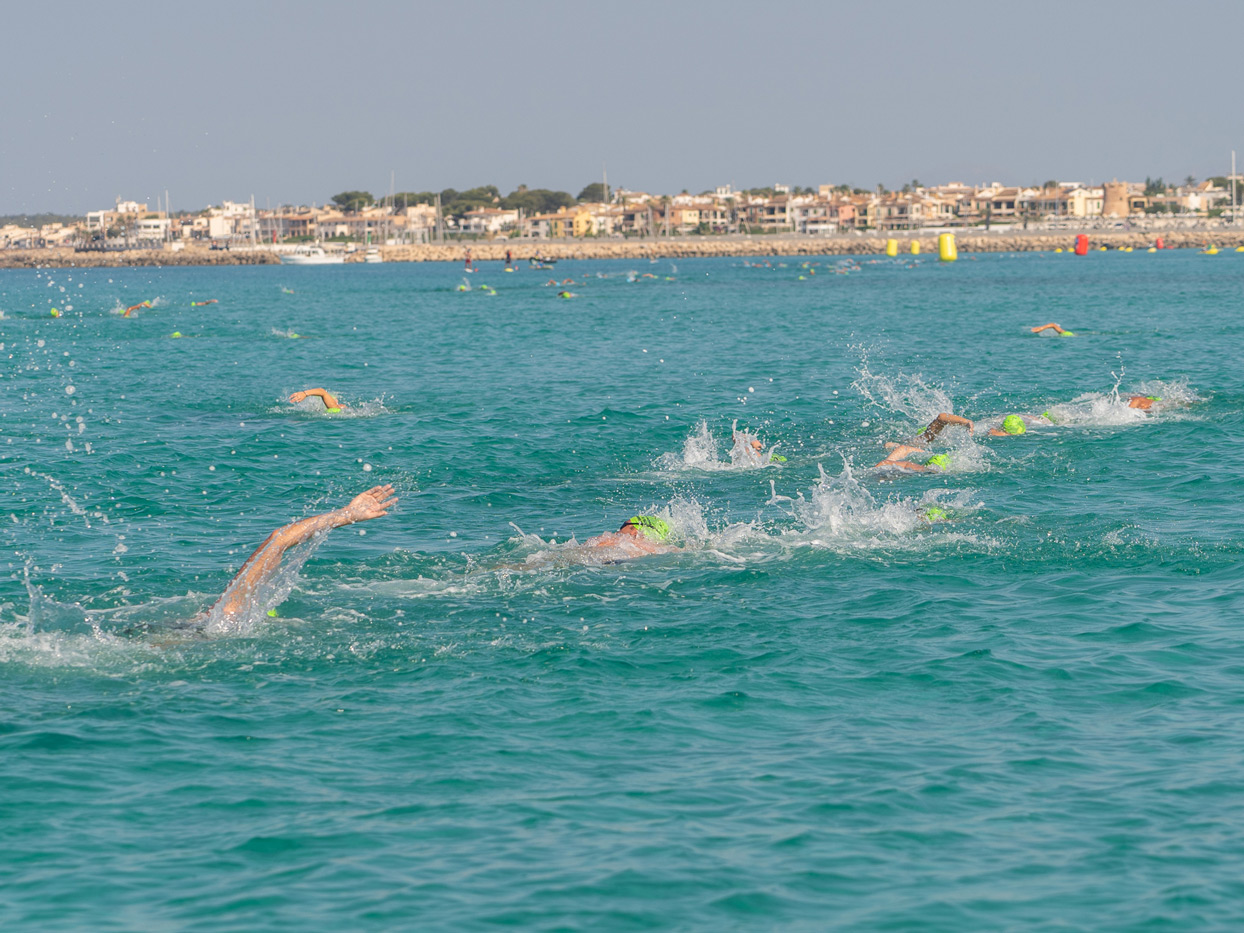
pixel 64 257
pixel 522 250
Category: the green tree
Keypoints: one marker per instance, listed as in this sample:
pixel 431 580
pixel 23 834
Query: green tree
pixel 406 198
pixel 536 200
pixel 353 200
pixel 1050 184
pixel 593 192
pixel 1154 186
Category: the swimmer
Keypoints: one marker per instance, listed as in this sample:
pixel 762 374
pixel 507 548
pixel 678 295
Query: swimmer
pixel 567 295
pixel 1143 402
pixel 1012 425
pixel 754 448
pixel 898 458
pixel 332 404
pixel 943 420
pixel 639 535
pixel 132 308
pixel 1054 327
pixel 261 565
pixel 201 304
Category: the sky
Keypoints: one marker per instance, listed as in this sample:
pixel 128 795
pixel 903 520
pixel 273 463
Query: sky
pixel 293 102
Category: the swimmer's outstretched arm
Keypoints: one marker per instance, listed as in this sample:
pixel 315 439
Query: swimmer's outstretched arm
pixel 330 400
pixel 943 419
pixel 897 455
pixel 1057 329
pixel 267 557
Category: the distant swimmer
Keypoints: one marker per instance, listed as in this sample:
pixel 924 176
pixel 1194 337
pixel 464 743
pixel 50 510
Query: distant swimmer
pixel 200 304
pixel 897 458
pixel 239 595
pixel 1054 327
pixel 567 295
pixel 639 535
pixel 132 308
pixel 332 405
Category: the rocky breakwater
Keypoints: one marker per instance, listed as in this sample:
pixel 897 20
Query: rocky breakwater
pixel 64 257
pixel 708 246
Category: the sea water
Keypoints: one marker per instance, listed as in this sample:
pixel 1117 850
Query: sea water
pixel 822 711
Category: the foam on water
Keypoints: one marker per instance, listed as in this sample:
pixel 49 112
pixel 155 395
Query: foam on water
pixel 905 394
pixel 700 451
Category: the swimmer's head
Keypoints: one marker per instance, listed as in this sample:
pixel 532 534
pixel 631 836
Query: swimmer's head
pixel 776 458
pixel 941 461
pixel 1013 424
pixel 935 513
pixel 1067 333
pixel 651 527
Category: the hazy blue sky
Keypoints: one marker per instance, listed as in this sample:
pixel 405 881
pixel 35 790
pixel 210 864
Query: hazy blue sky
pixel 295 101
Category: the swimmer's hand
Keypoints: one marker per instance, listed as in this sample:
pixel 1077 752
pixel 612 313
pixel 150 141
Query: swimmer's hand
pixel 329 400
pixel 374 503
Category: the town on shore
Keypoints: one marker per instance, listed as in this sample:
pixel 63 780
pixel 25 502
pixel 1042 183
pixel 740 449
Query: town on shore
pixel 617 222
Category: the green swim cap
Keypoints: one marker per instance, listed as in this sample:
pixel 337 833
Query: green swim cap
pixel 1067 333
pixel 651 527
pixel 935 513
pixel 1013 424
pixel 777 458
pixel 175 333
pixel 1154 398
pixel 938 460
pixel 333 411
pixel 272 613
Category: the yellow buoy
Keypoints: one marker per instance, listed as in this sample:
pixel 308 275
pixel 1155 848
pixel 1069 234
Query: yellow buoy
pixel 1239 249
pixel 1212 251
pixel 915 247
pixel 891 247
pixel 1101 248
pixel 1058 249
pixel 946 249
pixel 1153 249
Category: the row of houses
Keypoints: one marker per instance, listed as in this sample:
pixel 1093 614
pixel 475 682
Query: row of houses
pixel 829 210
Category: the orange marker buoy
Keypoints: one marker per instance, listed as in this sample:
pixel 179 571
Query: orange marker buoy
pixel 1082 245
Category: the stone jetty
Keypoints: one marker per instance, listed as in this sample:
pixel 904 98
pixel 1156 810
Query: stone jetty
pixel 674 248
pixel 64 258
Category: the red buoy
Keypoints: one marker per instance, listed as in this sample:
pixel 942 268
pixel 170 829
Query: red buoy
pixel 1081 244
pixel 1159 244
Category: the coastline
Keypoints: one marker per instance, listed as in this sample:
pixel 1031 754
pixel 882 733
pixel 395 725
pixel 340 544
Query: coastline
pixel 683 247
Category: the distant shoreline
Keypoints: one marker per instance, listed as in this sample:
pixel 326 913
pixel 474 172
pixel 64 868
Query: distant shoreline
pixel 675 248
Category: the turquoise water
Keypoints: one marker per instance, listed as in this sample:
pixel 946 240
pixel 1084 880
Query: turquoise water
pixel 822 712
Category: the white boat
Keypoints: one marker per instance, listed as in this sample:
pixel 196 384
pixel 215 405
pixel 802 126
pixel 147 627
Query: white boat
pixel 310 256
